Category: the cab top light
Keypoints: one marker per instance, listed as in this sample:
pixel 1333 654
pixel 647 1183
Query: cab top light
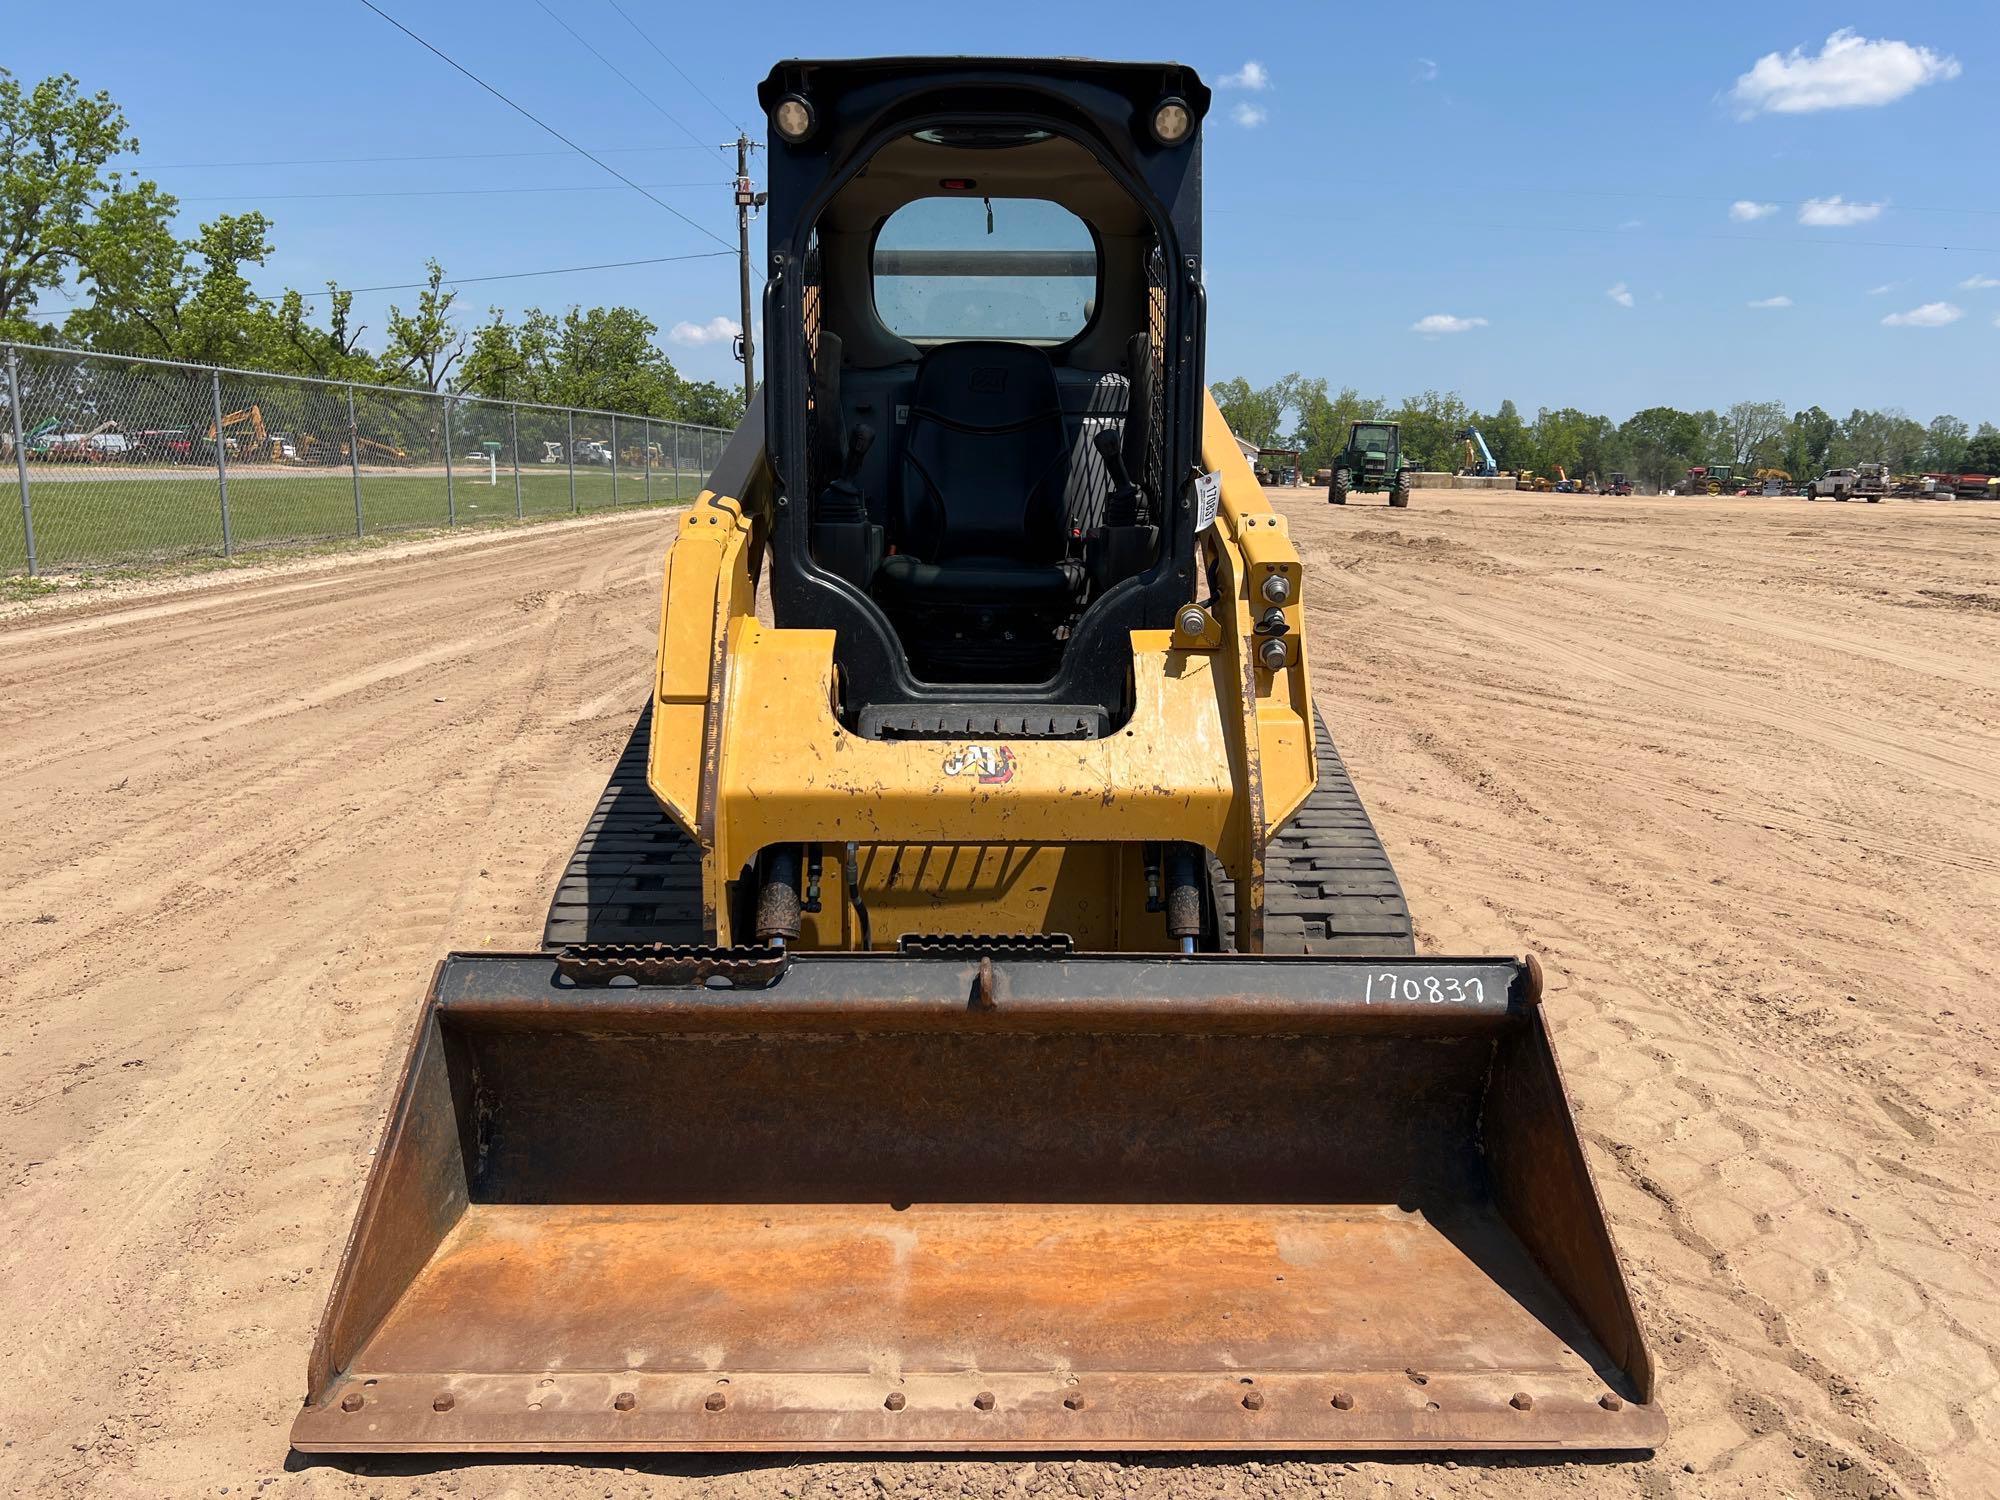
pixel 793 118
pixel 1173 121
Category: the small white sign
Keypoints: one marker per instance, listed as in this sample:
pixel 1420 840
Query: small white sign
pixel 1207 497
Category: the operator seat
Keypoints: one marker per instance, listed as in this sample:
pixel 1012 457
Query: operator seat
pixel 978 519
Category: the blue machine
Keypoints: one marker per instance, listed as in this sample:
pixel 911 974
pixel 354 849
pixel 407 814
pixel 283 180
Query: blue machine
pixel 1486 464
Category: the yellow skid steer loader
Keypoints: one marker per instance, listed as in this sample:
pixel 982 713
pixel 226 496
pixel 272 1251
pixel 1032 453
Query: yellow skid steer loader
pixel 980 1014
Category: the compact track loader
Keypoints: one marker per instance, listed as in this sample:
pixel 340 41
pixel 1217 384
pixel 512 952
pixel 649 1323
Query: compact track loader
pixel 980 1014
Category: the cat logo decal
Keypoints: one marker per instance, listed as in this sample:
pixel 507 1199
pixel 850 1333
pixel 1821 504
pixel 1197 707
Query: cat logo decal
pixel 992 764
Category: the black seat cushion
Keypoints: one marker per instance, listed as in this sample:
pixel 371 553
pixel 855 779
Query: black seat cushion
pixel 982 581
pixel 985 461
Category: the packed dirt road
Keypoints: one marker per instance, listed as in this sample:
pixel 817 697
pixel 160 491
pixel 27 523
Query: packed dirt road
pixel 1732 767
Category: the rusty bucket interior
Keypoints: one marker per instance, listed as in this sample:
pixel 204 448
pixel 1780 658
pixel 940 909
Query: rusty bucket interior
pixel 890 1203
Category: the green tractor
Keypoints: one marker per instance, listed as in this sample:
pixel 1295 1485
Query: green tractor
pixel 1371 462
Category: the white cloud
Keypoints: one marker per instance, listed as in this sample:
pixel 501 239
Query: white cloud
pixel 1837 213
pixel 1850 72
pixel 1930 315
pixel 1744 211
pixel 1979 283
pixel 1252 75
pixel 1884 289
pixel 1621 294
pixel 717 330
pixel 1633 224
pixel 1249 116
pixel 1781 300
pixel 1438 323
pixel 1427 70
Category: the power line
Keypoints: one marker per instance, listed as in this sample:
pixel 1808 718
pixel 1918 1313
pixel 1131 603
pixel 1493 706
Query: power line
pixel 726 119
pixel 584 43
pixel 543 124
pixel 256 197
pixel 342 161
pixel 609 265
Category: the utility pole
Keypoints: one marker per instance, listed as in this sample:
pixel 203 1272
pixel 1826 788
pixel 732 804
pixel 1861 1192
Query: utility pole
pixel 747 201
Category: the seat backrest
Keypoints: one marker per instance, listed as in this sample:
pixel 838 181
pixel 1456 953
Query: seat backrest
pixel 985 457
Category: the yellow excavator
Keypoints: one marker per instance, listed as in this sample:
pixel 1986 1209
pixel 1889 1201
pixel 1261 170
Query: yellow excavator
pixel 258 447
pixel 980 1014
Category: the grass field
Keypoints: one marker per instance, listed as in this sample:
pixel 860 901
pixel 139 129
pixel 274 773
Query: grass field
pixel 130 516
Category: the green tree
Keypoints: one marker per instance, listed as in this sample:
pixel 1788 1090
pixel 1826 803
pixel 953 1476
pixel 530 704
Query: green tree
pixel 1890 437
pixel 292 343
pixel 711 405
pixel 1660 443
pixel 1574 442
pixel 1324 419
pixel 1751 433
pixel 61 211
pixel 1982 453
pixel 494 364
pixel 1431 423
pixel 1945 442
pixel 179 299
pixel 424 344
pixel 606 358
pixel 1252 413
pixel 1506 435
pixel 1808 443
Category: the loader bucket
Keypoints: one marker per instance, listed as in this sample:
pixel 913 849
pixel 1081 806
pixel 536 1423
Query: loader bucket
pixel 968 1201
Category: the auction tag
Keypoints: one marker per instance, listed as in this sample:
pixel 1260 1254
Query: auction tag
pixel 1207 496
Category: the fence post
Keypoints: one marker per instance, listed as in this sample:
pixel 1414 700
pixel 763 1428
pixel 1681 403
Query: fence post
pixel 354 459
pixel 614 458
pixel 21 458
pixel 450 498
pixel 646 453
pixel 221 461
pixel 514 442
pixel 569 452
pixel 677 460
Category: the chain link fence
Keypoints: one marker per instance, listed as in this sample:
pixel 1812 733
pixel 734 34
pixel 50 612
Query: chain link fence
pixel 108 460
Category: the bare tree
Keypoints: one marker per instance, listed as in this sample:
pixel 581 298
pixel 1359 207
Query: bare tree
pixel 1752 429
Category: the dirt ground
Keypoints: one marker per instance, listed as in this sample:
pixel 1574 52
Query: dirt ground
pixel 1730 766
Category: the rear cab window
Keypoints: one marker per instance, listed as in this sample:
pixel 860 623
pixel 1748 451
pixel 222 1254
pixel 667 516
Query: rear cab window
pixel 965 267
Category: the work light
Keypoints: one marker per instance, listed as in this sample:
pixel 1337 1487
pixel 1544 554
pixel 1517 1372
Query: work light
pixel 794 118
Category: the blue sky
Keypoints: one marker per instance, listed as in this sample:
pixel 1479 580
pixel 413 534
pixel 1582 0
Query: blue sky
pixel 1554 182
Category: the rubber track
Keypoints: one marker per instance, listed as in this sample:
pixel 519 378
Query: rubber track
pixel 635 876
pixel 1328 885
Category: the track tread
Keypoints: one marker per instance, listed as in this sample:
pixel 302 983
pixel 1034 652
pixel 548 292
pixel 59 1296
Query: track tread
pixel 1328 883
pixel 636 875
